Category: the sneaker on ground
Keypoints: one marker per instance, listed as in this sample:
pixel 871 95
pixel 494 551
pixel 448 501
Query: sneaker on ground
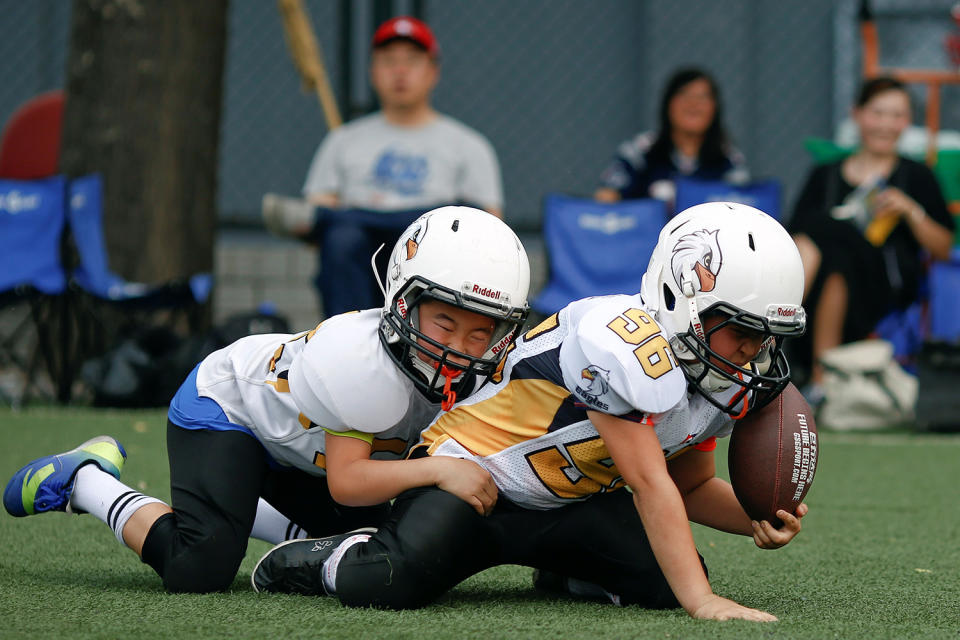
pixel 549 582
pixel 46 483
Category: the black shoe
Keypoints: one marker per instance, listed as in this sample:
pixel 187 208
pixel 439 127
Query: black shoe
pixel 296 566
pixel 549 582
pixel 552 583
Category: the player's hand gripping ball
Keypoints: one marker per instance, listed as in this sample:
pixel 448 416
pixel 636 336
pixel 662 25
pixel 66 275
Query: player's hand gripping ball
pixel 773 456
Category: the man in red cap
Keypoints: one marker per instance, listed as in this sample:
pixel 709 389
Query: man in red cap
pixel 372 177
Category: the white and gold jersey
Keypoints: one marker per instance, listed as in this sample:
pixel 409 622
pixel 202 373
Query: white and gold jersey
pixel 290 389
pixel 529 428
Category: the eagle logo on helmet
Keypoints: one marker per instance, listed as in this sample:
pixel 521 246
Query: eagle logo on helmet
pixel 413 242
pixel 697 253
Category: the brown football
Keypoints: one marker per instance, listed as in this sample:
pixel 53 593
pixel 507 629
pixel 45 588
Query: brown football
pixel 773 456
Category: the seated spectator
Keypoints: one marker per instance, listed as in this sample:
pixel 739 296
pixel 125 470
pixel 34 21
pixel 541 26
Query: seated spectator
pixel 691 141
pixel 860 224
pixel 377 174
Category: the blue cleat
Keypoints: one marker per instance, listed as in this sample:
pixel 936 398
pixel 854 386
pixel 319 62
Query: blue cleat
pixel 46 483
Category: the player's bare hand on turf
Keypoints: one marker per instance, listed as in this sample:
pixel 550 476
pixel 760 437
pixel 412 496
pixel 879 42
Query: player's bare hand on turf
pixel 468 481
pixel 767 537
pixel 718 608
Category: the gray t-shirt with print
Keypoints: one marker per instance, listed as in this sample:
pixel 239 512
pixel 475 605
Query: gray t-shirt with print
pixel 372 164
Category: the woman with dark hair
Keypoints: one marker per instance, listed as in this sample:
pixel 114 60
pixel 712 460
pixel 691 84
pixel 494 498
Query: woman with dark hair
pixel 860 224
pixel 691 141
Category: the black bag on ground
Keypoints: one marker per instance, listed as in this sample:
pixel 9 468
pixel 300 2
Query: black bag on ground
pixel 147 368
pixel 938 403
pixel 132 374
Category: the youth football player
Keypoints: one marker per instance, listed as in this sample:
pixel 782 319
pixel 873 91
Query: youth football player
pixel 317 423
pixel 611 392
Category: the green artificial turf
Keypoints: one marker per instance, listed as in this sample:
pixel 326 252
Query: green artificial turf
pixel 879 557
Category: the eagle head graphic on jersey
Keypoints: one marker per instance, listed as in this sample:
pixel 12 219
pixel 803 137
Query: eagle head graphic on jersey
pixel 735 265
pixel 595 380
pixel 594 384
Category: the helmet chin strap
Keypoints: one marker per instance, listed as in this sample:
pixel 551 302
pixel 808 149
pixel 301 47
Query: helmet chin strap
pixel 746 400
pixel 712 382
pixel 449 375
pixel 376 274
pixel 449 395
pixel 428 369
pixel 691 296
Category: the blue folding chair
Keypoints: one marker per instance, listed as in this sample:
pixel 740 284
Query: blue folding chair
pixel 31 223
pixel 764 194
pixel 944 282
pixel 904 329
pixel 93 274
pixel 31 276
pixel 596 248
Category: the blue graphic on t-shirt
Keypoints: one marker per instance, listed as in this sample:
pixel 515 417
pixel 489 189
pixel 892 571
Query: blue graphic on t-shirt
pixel 401 173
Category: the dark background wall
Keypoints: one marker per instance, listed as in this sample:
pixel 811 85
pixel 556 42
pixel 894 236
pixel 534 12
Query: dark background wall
pixel 554 84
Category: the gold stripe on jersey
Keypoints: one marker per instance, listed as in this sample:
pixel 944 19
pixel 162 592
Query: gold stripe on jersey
pixel 320 460
pixel 312 333
pixel 280 384
pixel 589 457
pixel 276 356
pixel 521 411
pixel 390 445
pixel 549 324
pixel 439 440
pixel 497 376
pixel 305 421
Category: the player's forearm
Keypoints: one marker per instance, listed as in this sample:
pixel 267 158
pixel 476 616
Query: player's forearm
pixel 665 521
pixel 713 504
pixel 933 237
pixel 369 482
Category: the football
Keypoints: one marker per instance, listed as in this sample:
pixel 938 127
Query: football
pixel 773 456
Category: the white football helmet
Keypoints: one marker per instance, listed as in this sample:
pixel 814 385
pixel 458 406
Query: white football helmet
pixel 730 259
pixel 471 260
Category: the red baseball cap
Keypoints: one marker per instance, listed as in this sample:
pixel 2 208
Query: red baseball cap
pixel 407 28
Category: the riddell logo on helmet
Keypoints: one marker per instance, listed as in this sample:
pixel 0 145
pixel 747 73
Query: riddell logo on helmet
pixel 486 292
pixel 402 307
pixel 787 313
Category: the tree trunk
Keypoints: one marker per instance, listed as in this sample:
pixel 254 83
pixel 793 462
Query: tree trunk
pixel 144 83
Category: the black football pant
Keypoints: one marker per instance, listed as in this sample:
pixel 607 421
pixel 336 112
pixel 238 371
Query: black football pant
pixel 216 479
pixel 433 540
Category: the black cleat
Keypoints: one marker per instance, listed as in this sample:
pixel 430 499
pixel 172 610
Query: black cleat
pixel 296 566
pixel 549 582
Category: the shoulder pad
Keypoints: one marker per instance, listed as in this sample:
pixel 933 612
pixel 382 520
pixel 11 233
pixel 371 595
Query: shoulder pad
pixel 617 359
pixel 344 371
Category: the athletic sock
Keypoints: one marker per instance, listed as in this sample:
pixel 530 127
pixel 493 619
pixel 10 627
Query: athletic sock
pixel 272 526
pixel 330 564
pixel 100 494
